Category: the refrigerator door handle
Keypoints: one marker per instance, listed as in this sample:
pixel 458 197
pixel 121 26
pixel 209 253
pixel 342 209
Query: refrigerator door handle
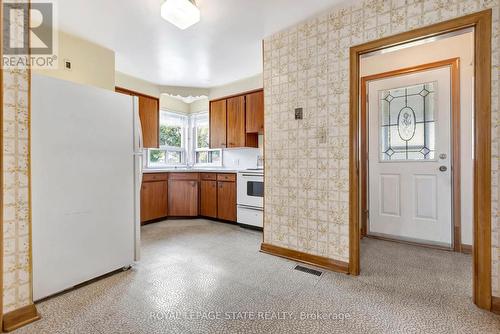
pixel 140 171
pixel 137 219
pixel 138 161
pixel 139 130
pixel 138 125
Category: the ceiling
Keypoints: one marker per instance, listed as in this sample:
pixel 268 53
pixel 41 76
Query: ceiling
pixel 224 47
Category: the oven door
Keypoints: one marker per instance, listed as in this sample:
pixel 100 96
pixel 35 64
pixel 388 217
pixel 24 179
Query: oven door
pixel 251 190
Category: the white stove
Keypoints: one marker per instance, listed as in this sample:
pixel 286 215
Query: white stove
pixel 250 197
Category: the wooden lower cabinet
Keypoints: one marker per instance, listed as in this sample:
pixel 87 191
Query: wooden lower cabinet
pixel 208 198
pixel 226 200
pixel 182 198
pixel 154 200
pixel 209 195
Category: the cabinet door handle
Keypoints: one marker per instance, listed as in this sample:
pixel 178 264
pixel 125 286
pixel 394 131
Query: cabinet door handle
pixel 193 184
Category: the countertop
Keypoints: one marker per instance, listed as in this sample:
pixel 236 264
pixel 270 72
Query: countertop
pixel 190 170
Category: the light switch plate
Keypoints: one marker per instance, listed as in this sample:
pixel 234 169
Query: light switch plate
pixel 299 113
pixel 67 65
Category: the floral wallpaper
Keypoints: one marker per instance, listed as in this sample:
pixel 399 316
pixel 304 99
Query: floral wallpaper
pixel 16 194
pixel 307 180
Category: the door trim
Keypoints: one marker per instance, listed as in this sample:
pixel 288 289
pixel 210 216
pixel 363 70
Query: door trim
pixel 454 65
pixel 481 21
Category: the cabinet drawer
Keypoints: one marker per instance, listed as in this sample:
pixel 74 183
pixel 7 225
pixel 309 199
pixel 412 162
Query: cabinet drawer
pixel 155 177
pixel 183 176
pixel 226 177
pixel 209 176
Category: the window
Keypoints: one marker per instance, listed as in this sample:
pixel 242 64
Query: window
pixel 203 155
pixel 408 123
pixel 172 151
pixel 180 134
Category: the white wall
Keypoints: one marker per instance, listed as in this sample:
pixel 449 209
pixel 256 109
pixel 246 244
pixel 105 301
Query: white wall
pixel 173 104
pixel 241 158
pixel 92 64
pixel 199 106
pixel 123 80
pixel 458 46
pixel 184 91
pixel 236 87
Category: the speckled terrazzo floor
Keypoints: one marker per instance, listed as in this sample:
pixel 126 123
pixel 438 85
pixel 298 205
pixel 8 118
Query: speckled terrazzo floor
pixel 198 276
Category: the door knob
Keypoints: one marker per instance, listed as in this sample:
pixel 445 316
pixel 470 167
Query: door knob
pixel 443 168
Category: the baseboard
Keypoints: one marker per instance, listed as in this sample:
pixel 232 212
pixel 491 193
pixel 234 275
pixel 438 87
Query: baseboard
pixel 495 305
pixel 20 317
pixel 314 260
pixel 251 227
pixel 466 249
pixel 409 242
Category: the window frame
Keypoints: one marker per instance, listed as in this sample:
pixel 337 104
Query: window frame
pixel 182 149
pixel 195 149
pixel 398 148
pixel 189 143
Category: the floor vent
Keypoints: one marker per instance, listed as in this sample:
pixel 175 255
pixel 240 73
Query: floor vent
pixel 308 270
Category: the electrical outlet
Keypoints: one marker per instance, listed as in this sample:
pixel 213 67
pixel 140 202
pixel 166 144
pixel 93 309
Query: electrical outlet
pixel 236 162
pixel 322 136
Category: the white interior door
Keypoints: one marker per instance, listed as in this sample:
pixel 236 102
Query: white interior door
pixel 410 157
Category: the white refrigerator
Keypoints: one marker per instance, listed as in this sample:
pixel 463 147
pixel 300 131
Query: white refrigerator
pixel 86 176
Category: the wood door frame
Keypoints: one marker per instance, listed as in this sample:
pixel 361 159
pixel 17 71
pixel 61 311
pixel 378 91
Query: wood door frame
pixel 1 170
pixel 238 94
pixel 126 91
pixel 454 65
pixel 482 23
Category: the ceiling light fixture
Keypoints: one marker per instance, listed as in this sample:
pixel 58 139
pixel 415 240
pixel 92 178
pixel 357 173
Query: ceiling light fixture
pixel 181 13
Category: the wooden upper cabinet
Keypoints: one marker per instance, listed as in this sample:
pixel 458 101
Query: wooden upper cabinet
pixel 255 112
pixel 236 122
pixel 218 124
pixel 149 114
